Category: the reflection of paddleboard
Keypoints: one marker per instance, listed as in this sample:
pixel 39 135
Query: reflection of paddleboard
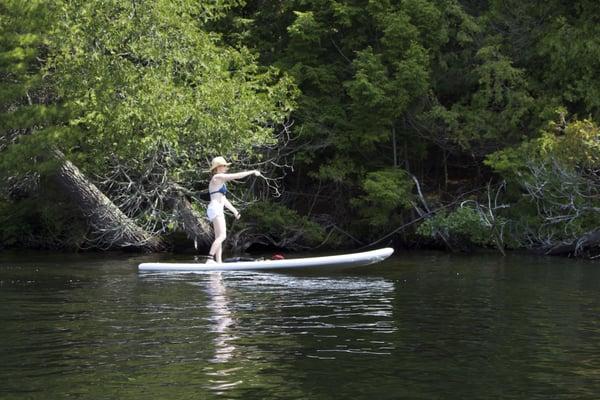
pixel 342 260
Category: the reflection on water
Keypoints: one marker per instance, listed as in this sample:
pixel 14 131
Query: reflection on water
pixel 415 327
pixel 287 310
pixel 221 320
pixel 220 379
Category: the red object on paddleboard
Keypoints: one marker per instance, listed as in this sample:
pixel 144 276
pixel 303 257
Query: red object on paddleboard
pixel 277 256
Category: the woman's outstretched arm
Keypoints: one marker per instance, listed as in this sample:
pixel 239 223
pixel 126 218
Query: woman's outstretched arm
pixel 237 175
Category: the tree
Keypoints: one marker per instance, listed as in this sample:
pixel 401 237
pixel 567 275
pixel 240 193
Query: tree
pixel 144 86
pixel 555 184
pixel 30 116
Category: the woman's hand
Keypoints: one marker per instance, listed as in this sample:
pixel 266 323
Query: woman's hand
pixel 237 215
pixel 257 172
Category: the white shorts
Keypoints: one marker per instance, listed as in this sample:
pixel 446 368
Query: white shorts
pixel 214 210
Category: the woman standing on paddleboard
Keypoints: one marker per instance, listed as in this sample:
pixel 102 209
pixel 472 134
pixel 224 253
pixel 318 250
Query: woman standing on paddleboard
pixel 217 189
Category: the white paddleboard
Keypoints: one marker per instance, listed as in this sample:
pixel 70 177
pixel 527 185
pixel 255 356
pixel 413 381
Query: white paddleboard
pixel 342 260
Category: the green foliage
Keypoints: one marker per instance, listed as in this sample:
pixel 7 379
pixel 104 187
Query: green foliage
pixel 553 181
pixel 282 226
pixel 571 49
pixel 360 66
pixel 113 81
pixel 573 145
pixel 305 29
pixel 381 93
pixel 386 192
pixel 371 85
pixel 577 144
pixel 141 78
pixel 463 226
pixel 30 119
pixel 366 67
pixel 127 79
pixel 497 112
pixel 385 81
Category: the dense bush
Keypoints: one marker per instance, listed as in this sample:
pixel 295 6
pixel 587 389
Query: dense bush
pixel 273 224
pixel 464 228
pixel 554 183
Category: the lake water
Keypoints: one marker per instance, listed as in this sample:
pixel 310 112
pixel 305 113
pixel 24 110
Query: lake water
pixel 419 326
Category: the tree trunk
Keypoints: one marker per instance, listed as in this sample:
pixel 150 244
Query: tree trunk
pixel 195 227
pixel 587 242
pixel 112 228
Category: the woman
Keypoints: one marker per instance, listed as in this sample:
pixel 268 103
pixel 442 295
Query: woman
pixel 218 190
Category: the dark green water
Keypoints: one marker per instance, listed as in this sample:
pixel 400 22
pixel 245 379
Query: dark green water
pixel 421 326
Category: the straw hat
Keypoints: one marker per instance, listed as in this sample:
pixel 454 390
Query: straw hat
pixel 217 162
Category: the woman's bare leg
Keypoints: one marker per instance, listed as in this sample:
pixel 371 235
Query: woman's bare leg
pixel 216 250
